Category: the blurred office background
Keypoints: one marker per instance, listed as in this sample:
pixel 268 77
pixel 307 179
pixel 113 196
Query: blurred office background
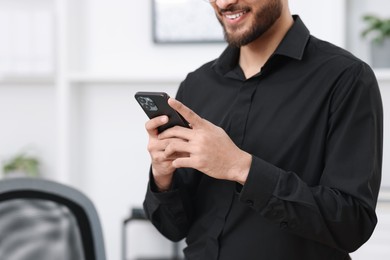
pixel 68 73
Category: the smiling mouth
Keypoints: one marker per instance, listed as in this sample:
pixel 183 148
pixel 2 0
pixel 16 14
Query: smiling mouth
pixel 235 16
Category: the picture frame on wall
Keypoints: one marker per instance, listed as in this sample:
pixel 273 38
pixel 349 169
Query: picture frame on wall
pixel 185 21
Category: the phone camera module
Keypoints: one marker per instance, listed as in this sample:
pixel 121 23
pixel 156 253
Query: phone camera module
pixel 147 103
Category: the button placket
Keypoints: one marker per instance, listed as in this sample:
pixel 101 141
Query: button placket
pixel 241 111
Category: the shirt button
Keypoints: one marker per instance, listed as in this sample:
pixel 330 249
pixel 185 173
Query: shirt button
pixel 283 225
pixel 249 202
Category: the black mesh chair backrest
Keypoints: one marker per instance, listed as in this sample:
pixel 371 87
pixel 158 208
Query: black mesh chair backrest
pixel 44 210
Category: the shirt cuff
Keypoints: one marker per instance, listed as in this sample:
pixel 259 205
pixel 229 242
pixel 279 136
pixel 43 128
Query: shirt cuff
pixel 164 197
pixel 260 184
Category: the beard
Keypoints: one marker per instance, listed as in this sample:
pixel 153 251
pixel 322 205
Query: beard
pixel 263 20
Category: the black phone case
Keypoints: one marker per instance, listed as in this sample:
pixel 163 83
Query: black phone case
pixel 156 104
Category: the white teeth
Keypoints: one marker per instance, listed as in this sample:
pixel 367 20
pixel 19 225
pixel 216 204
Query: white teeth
pixel 234 16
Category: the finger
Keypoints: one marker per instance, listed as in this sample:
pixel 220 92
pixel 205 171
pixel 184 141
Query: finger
pixel 160 157
pixel 183 162
pixel 176 155
pixel 187 113
pixel 152 125
pixel 156 145
pixel 176 132
pixel 175 149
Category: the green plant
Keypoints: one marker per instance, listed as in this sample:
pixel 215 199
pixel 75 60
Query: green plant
pixel 22 163
pixel 377 26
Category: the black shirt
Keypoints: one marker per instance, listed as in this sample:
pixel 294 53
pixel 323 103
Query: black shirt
pixel 312 120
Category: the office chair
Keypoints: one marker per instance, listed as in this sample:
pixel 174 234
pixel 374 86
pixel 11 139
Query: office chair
pixel 26 196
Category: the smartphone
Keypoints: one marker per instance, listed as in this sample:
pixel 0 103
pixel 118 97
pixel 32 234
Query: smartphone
pixel 156 104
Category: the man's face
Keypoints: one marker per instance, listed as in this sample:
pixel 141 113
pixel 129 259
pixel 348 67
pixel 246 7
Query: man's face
pixel 243 21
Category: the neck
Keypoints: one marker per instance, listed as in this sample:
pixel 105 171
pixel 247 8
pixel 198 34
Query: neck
pixel 254 55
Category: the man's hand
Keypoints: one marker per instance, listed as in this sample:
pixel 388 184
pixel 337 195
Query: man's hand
pixel 162 167
pixel 206 147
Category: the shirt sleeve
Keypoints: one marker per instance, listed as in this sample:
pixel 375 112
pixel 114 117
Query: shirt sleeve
pixel 166 211
pixel 340 210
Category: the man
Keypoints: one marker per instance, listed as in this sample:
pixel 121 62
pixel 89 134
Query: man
pixel 283 158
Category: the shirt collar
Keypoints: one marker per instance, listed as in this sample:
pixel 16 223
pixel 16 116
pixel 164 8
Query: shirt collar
pixel 293 46
pixel 294 42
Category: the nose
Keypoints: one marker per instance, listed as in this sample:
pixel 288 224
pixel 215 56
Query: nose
pixel 223 4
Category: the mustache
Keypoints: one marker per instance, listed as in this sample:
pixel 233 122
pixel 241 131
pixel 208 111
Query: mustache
pixel 234 8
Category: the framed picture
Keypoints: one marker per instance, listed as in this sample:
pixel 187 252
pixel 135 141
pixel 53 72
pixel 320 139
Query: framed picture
pixel 185 21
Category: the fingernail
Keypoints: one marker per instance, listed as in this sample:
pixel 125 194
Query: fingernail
pixel 164 119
